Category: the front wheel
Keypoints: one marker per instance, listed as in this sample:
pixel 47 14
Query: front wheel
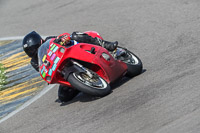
pixel 93 85
pixel 133 63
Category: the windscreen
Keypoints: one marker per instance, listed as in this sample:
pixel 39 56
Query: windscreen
pixel 42 51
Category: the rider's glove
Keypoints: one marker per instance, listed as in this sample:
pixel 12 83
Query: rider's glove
pixel 63 39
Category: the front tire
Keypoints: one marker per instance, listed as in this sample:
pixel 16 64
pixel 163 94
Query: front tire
pixel 95 86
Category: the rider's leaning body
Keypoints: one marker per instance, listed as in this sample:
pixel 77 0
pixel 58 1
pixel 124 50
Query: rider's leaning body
pixel 32 42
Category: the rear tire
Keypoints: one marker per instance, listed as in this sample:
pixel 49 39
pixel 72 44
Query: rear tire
pixel 134 69
pixel 133 63
pixel 95 86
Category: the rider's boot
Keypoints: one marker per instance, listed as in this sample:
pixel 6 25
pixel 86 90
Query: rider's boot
pixel 66 94
pixel 85 38
pixel 120 52
pixel 110 46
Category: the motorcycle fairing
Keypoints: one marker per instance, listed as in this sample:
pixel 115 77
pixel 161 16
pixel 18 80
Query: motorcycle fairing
pixel 55 60
pixel 53 57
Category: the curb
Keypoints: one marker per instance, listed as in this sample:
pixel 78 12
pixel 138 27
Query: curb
pixel 26 104
pixel 23 81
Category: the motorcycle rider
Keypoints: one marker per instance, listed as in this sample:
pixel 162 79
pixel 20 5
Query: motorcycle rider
pixel 32 41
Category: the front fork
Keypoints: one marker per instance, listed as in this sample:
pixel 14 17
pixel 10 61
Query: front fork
pixel 76 67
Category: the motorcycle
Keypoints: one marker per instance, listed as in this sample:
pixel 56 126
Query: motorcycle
pixel 87 68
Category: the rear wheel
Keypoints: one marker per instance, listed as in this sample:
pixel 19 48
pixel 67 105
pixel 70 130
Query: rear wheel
pixel 133 63
pixel 89 83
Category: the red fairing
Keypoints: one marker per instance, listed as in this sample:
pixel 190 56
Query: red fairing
pixel 58 56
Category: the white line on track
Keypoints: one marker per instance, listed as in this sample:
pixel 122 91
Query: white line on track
pixel 11 38
pixel 26 104
pixel 15 38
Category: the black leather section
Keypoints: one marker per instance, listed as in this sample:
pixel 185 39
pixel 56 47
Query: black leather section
pixel 34 63
pixel 83 38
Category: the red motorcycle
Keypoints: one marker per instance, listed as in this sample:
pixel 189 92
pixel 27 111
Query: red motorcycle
pixel 85 67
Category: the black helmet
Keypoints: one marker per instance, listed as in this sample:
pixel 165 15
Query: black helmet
pixel 31 43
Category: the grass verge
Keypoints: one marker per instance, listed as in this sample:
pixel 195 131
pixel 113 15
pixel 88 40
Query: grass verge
pixel 2 77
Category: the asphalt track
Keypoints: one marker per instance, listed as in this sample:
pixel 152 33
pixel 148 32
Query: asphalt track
pixel 165 98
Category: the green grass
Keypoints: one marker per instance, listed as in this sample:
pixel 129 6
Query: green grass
pixel 2 77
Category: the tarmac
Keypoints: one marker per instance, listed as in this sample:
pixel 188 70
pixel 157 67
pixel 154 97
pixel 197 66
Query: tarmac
pixel 164 34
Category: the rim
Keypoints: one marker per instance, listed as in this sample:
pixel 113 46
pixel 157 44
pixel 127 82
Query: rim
pixel 94 82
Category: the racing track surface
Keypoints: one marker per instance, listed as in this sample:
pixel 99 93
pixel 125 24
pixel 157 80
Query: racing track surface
pixel 165 34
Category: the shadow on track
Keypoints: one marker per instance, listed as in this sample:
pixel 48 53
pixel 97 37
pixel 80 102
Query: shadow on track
pixel 82 97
